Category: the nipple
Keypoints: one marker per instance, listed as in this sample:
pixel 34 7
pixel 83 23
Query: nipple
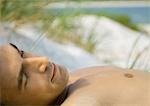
pixel 128 75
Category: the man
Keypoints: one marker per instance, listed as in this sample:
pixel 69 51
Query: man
pixel 29 80
pixel 26 79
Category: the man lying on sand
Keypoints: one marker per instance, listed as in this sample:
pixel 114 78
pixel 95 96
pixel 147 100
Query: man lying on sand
pixel 26 79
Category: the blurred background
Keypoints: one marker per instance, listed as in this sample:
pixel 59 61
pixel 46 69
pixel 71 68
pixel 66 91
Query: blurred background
pixel 80 33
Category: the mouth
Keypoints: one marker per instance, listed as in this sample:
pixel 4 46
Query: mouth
pixel 57 71
pixel 53 71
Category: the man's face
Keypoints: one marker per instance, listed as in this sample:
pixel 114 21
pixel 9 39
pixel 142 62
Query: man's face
pixel 29 79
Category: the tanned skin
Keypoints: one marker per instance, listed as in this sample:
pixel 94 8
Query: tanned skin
pixel 27 80
pixel 108 86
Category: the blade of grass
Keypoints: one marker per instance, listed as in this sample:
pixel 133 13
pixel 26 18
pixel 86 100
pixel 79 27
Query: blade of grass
pixel 138 56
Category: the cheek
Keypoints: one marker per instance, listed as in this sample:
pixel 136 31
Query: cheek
pixel 40 90
pixel 38 84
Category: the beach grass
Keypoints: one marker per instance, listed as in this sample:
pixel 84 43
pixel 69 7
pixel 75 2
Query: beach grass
pixel 22 12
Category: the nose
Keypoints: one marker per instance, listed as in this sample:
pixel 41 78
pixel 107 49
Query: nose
pixel 36 63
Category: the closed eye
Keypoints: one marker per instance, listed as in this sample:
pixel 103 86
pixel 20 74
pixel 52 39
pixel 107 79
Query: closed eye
pixel 25 79
pixel 22 80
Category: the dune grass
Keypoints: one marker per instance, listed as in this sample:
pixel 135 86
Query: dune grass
pixel 58 26
pixel 21 12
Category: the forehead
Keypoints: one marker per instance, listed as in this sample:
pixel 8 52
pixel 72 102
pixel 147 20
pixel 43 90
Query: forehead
pixel 10 63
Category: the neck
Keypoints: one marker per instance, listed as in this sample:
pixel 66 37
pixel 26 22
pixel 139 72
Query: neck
pixel 61 98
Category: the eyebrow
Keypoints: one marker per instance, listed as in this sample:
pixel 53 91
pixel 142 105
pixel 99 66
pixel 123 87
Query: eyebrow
pixel 14 46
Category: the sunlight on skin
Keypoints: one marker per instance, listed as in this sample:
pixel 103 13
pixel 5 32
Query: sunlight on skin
pixel 29 79
pixel 108 85
pixel 26 79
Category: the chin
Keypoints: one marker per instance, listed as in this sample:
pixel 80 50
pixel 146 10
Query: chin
pixel 64 73
pixel 61 76
pixel 60 80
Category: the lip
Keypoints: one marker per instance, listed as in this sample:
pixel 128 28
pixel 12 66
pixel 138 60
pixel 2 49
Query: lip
pixel 53 72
